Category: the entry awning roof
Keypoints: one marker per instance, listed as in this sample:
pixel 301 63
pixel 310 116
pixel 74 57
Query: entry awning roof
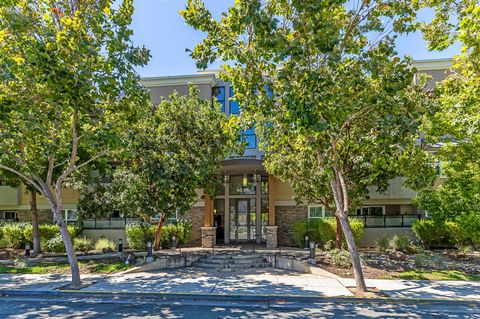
pixel 243 166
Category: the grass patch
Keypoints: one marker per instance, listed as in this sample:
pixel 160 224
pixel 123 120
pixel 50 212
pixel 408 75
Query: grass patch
pixel 105 268
pixel 3 244
pixel 36 269
pixel 437 275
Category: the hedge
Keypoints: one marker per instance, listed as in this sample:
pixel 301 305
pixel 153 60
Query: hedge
pixel 138 234
pixel 464 230
pixel 322 230
pixel 15 235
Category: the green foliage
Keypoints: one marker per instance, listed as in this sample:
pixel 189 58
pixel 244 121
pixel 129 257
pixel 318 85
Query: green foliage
pixel 470 226
pixel 340 258
pixel 430 233
pixel 382 244
pixel 82 244
pixel 437 262
pixel 401 242
pixel 138 234
pixel 438 275
pixel 49 231
pixel 463 231
pixel 419 260
pixel 12 234
pixel 323 230
pixel 105 268
pixel 21 263
pixel 104 245
pixel 54 245
pixel 329 245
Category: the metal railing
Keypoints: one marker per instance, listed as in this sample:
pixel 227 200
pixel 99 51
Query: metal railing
pixel 107 223
pixel 387 221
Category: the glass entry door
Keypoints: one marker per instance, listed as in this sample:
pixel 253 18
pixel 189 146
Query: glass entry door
pixel 242 219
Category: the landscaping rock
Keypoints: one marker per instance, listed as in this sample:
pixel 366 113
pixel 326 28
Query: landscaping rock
pixel 397 255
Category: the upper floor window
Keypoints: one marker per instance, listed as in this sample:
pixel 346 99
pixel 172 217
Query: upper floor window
pixel 71 215
pixel 219 93
pixel 316 211
pixel 234 107
pixel 248 136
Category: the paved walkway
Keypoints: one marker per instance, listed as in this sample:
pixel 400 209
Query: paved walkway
pixel 251 281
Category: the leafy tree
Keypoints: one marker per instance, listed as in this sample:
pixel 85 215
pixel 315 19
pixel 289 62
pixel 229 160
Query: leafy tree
pixel 335 108
pixel 67 86
pixel 456 125
pixel 175 149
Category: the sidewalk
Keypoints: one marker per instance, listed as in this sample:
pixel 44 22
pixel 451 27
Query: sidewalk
pixel 274 282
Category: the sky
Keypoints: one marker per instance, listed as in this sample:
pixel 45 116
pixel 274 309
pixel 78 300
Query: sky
pixel 159 27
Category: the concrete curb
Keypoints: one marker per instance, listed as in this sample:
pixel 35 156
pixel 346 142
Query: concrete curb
pixel 246 298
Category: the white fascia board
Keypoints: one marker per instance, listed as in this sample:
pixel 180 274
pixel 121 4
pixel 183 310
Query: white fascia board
pixel 433 64
pixel 207 78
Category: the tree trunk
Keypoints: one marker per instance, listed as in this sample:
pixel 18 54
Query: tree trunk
pixel 158 233
pixel 67 241
pixel 340 193
pixel 36 233
pixel 338 237
pixel 352 248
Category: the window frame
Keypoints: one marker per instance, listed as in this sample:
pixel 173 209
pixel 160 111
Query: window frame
pixel 368 207
pixel 231 101
pixel 222 101
pixel 15 214
pixel 322 215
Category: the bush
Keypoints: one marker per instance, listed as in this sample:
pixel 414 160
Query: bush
pixel 82 244
pixel 329 245
pixel 54 245
pixel 340 258
pixel 104 245
pixel 12 234
pixel 431 233
pixel 322 230
pixel 138 234
pixel 382 244
pixel 470 224
pixel 465 230
pixel 419 260
pixel 49 231
pixel 401 242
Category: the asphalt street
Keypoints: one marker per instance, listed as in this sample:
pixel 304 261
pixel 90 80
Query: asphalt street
pixel 114 307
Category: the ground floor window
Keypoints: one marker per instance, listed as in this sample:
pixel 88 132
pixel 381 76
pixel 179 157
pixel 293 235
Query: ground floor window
pixel 71 216
pixel 316 211
pixel 10 216
pixel 371 211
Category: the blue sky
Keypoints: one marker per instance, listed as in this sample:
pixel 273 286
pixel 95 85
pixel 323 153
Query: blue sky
pixel 158 25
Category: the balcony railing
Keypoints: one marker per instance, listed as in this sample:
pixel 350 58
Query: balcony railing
pixel 110 223
pixel 387 221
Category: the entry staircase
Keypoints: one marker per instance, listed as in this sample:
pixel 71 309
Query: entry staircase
pixel 232 261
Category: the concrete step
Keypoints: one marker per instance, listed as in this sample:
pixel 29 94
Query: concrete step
pixel 232 261
pixel 232 266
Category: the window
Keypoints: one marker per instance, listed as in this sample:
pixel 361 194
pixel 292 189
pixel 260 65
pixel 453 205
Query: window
pixel 116 214
pixel 242 185
pixel 371 211
pixel 71 215
pixel 234 107
pixel 316 211
pixel 219 93
pixel 10 216
pixel 249 137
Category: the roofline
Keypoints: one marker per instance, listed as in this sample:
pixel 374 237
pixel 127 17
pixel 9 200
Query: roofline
pixel 204 78
pixel 433 64
pixel 211 76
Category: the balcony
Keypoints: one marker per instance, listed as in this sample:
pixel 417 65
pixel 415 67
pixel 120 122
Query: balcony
pixel 390 221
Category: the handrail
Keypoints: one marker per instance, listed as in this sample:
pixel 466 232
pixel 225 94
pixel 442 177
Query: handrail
pixel 389 218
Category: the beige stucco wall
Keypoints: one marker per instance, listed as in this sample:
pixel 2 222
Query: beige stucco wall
pixel 370 235
pixel 8 198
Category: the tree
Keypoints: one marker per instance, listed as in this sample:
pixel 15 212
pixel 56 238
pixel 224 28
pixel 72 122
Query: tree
pixel 456 125
pixel 67 87
pixel 175 149
pixel 335 109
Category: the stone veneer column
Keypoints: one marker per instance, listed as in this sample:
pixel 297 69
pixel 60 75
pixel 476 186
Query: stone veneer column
pixel 272 232
pixel 272 229
pixel 208 236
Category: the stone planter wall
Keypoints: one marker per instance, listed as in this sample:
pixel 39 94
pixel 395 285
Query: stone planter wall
pixel 285 217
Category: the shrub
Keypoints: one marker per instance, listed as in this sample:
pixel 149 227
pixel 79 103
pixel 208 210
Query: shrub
pixel 465 230
pixel 419 260
pixel 49 231
pixel 401 242
pixel 340 258
pixel 382 244
pixel 54 245
pixel 322 230
pixel 104 245
pixel 82 244
pixel 138 234
pixel 470 224
pixel 329 245
pixel 12 234
pixel 438 262
pixel 430 233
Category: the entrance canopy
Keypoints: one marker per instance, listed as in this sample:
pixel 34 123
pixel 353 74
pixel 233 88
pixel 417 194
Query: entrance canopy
pixel 242 166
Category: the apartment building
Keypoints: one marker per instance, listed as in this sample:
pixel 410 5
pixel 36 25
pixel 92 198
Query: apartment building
pixel 251 205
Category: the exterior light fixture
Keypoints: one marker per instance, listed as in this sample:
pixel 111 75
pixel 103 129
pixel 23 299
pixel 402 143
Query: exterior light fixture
pixel 120 245
pixel 174 242
pixel 149 249
pixel 27 250
pixel 245 180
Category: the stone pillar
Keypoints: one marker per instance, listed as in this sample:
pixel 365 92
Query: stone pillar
pixel 208 237
pixel 272 232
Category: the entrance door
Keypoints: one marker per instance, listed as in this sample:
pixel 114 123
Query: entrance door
pixel 242 220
